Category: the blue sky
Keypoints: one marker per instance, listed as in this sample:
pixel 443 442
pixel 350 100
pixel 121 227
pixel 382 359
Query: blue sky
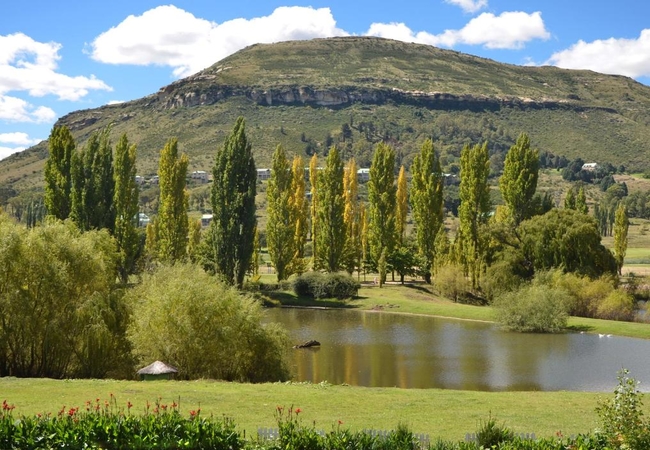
pixel 58 57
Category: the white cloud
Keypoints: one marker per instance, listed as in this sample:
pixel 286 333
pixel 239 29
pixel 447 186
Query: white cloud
pixel 28 65
pixel 630 57
pixel 115 102
pixel 469 6
pixel 509 30
pixel 14 109
pixel 5 152
pixel 17 138
pixel 170 36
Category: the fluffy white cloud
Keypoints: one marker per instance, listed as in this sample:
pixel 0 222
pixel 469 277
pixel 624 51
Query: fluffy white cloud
pixel 470 6
pixel 170 36
pixel 28 65
pixel 14 109
pixel 17 142
pixel 630 57
pixel 509 30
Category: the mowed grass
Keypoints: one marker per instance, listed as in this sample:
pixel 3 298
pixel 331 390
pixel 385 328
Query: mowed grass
pixel 447 414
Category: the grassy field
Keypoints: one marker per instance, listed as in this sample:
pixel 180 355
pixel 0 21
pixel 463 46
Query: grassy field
pixel 447 414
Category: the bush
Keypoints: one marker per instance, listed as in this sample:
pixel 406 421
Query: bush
pixel 491 435
pixel 188 319
pixel 332 285
pixel 533 309
pixel 451 282
pixel 618 305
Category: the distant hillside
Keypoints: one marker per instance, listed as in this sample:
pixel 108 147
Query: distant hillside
pixel 356 91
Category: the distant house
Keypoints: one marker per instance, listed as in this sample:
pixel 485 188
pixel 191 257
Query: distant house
pixel 155 179
pixel 143 220
pixel 590 167
pixel 205 220
pixel 263 174
pixel 139 180
pixel 200 175
pixel 363 175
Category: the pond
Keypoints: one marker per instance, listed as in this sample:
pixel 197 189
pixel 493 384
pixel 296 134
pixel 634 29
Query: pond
pixel 366 348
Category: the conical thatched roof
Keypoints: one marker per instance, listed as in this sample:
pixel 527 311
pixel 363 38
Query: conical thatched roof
pixel 157 368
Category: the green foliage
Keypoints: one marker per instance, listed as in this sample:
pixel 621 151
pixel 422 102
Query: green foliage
pixel 505 275
pixel 621 418
pixel 581 201
pixel 474 209
pixel 382 199
pixel 59 314
pixel 451 282
pixel 519 180
pixel 280 228
pixel 172 220
pixel 568 239
pixel 185 317
pixel 618 305
pixel 352 218
pixel 332 285
pixel 621 226
pixel 229 242
pixel 330 211
pixel 426 203
pixel 490 434
pixel 58 172
pixel 401 205
pixel 533 308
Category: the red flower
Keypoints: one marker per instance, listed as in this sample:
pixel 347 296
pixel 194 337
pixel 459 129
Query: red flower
pixel 129 404
pixel 340 422
pixel 174 405
pixel 72 412
pixel 193 413
pixel 298 411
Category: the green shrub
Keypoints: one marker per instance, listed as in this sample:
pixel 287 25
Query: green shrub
pixel 490 434
pixel 332 285
pixel 451 282
pixel 618 305
pixel 533 309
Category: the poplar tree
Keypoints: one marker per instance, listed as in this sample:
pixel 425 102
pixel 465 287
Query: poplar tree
pixel 426 203
pixel 58 176
pixel 519 180
pixel 570 200
pixel 172 221
pixel 313 182
pixel 125 202
pixel 401 205
pixel 581 201
pixel 330 225
pixel 230 238
pixel 299 209
pixel 279 228
pixel 351 217
pixel 102 212
pixel 474 208
pixel 621 226
pixel 382 200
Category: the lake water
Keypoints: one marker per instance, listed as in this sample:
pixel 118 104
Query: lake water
pixel 365 348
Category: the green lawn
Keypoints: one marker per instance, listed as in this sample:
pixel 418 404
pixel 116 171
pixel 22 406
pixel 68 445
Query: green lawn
pixel 448 414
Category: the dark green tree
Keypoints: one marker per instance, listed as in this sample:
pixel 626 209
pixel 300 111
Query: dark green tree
pixel 58 172
pixel 382 197
pixel 279 227
pixel 426 204
pixel 330 222
pixel 621 225
pixel 519 180
pixel 172 220
pixel 229 242
pixel 581 201
pixel 125 203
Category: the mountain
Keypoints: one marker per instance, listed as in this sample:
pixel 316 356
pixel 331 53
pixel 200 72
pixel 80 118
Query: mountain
pixel 356 91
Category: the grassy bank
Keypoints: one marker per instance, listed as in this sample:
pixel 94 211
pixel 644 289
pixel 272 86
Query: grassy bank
pixel 447 414
pixel 419 298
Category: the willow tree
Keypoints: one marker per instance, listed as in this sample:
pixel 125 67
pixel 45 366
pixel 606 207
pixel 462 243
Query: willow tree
pixel 58 172
pixel 426 203
pixel 125 201
pixel 382 200
pixel 172 223
pixel 621 226
pixel 474 208
pixel 519 180
pixel 229 242
pixel 279 227
pixel 330 224
pixel 401 205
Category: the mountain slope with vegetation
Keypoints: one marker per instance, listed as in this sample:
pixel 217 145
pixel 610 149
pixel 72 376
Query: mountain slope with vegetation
pixel 357 91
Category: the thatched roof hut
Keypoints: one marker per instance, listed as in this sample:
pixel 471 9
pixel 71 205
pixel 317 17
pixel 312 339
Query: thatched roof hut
pixel 157 370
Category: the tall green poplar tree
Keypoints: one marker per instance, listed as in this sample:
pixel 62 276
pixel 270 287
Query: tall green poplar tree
pixel 313 182
pixel 299 208
pixel 401 205
pixel 125 202
pixel 352 252
pixel 230 238
pixel 279 227
pixel 474 208
pixel 621 226
pixel 382 200
pixel 172 221
pixel 330 224
pixel 426 203
pixel 519 180
pixel 581 201
pixel 58 173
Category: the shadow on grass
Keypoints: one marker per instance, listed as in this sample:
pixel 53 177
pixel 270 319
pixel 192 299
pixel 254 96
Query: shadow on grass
pixel 580 328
